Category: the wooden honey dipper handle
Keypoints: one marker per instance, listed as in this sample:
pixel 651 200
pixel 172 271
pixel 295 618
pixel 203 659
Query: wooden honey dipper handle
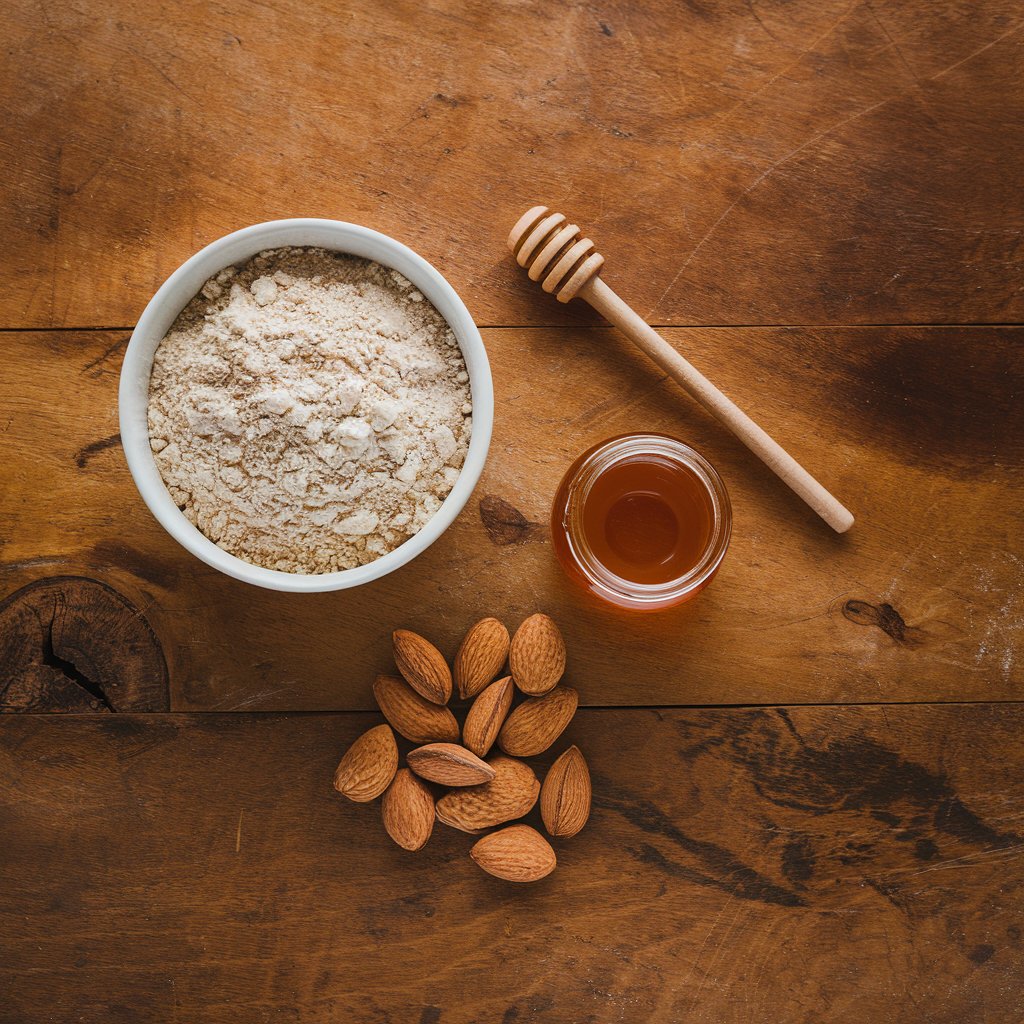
pixel 554 254
pixel 765 447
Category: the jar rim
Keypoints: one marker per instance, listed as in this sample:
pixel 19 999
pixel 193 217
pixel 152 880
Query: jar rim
pixel 598 460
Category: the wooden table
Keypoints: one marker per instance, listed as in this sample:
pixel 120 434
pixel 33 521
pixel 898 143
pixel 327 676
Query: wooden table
pixel 808 782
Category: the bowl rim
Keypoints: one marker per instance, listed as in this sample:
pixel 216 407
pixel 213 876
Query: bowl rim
pixel 164 307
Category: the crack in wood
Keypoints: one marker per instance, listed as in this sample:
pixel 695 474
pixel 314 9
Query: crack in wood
pixel 60 636
pixel 68 668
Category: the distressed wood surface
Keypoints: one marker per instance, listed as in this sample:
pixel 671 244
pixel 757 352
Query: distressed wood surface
pixel 72 644
pixel 843 162
pixel 796 865
pixel 737 162
pixel 919 431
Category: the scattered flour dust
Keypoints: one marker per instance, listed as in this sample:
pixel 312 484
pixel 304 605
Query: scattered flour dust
pixel 308 410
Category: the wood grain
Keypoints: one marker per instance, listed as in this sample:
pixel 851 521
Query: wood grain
pixel 795 865
pixel 745 162
pixel 921 431
pixel 738 162
pixel 75 645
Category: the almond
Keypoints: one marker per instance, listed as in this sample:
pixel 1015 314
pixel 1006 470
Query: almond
pixel 510 794
pixel 368 766
pixel 449 764
pixel 565 797
pixel 517 853
pixel 413 717
pixel 422 666
pixel 408 811
pixel 486 716
pixel 480 657
pixel 537 658
pixel 538 722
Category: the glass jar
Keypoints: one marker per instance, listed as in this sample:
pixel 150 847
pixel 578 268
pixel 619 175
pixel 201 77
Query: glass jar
pixel 642 521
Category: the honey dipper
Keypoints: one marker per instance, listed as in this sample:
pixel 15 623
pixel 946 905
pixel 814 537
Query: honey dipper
pixel 554 253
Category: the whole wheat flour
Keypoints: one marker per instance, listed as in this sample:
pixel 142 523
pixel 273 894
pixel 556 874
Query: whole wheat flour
pixel 309 411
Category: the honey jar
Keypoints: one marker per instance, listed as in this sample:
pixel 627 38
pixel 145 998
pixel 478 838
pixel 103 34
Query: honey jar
pixel 642 521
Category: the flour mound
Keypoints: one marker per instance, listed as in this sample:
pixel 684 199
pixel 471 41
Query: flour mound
pixel 309 411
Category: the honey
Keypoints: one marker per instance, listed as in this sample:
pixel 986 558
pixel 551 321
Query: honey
pixel 642 521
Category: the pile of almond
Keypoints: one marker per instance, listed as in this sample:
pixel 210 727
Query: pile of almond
pixel 481 791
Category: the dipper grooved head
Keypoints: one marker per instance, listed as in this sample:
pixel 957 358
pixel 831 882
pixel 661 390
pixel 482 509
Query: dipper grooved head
pixel 554 253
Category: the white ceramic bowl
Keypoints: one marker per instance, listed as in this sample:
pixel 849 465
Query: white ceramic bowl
pixel 185 282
